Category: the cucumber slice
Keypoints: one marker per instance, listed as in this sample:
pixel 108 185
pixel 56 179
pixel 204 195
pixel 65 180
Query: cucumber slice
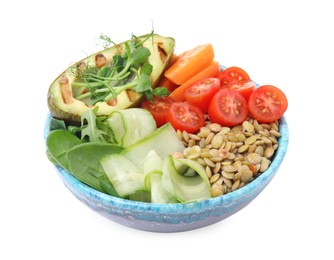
pixel 196 167
pixel 184 169
pixel 127 170
pixel 131 125
pixel 153 163
pixel 185 189
pixel 153 179
pixel 158 192
pixel 164 141
pixel 125 176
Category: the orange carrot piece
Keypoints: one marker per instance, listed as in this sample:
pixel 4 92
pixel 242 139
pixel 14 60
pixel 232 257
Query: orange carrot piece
pixel 190 63
pixel 177 57
pixel 211 71
pixel 164 82
pixel 173 60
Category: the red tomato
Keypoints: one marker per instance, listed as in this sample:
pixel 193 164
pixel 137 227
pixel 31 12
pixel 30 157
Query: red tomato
pixel 201 93
pixel 267 104
pixel 245 88
pixel 158 108
pixel 228 108
pixel 184 116
pixel 233 75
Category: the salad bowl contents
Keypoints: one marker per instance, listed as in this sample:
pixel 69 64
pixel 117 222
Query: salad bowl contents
pixel 114 78
pixel 163 142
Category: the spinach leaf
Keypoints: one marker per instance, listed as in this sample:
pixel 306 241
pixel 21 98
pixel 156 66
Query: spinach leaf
pixel 143 196
pixel 84 164
pixel 57 124
pixel 107 186
pixel 58 143
pixel 52 158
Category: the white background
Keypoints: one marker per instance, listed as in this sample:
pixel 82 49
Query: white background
pixel 285 43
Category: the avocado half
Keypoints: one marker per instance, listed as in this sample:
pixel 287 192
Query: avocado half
pixel 63 105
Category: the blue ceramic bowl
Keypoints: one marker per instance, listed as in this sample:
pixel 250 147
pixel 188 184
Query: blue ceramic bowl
pixel 174 217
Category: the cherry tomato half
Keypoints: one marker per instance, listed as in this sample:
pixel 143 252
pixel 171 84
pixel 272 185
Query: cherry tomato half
pixel 184 116
pixel 228 108
pixel 267 104
pixel 233 75
pixel 245 88
pixel 158 108
pixel 201 93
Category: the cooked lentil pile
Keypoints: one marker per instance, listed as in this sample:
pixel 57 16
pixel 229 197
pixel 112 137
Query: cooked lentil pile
pixel 232 157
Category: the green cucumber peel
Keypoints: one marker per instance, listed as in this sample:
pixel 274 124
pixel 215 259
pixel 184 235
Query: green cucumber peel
pixel 131 125
pixel 197 167
pixel 185 189
pixel 125 176
pixel 164 141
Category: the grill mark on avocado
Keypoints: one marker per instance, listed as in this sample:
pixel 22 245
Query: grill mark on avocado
pixel 66 90
pixel 162 51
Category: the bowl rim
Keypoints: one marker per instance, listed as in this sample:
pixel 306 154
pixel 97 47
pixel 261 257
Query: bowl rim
pixel 191 207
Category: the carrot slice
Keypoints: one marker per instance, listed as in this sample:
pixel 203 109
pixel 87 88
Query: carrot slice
pixel 211 71
pixel 173 60
pixel 189 63
pixel 177 57
pixel 164 82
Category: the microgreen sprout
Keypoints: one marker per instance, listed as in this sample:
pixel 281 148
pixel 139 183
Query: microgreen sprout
pixel 106 41
pixel 127 70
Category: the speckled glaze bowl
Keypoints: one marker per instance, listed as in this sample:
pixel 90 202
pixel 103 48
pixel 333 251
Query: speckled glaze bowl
pixel 174 217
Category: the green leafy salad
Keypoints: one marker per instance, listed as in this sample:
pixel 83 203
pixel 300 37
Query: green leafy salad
pixel 100 136
pixel 126 155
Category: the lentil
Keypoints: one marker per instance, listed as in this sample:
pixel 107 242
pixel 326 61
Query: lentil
pixel 232 157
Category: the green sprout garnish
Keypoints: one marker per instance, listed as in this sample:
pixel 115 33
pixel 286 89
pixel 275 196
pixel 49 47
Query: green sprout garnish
pixel 129 70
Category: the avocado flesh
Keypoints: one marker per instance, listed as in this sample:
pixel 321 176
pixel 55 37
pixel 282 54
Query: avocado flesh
pixel 161 49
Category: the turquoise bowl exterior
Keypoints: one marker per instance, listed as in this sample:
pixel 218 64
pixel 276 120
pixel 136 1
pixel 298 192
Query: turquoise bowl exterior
pixel 174 217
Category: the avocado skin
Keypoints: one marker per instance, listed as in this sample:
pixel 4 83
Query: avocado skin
pixel 73 118
pixel 61 114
